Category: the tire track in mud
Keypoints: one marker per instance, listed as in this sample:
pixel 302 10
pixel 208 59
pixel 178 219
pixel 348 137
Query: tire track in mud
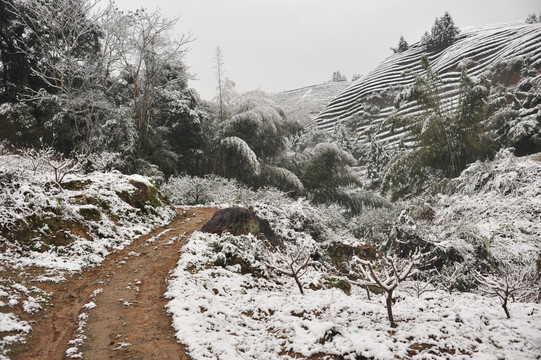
pixel 129 320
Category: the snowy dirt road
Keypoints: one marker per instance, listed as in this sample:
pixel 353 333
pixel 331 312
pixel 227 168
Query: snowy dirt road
pixel 117 310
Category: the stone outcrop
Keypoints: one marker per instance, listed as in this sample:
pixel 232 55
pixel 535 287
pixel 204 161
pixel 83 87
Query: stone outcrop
pixel 240 221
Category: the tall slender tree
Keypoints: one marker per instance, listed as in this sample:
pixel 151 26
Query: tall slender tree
pixel 219 71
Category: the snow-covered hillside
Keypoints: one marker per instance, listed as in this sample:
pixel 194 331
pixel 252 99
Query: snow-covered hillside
pixel 372 97
pixel 490 213
pixel 309 99
pixel 227 302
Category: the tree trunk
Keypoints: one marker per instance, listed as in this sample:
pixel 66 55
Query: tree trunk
pixel 298 284
pixel 504 306
pixel 389 303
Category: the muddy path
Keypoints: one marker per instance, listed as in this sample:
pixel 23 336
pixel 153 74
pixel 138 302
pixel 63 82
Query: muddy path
pixel 128 320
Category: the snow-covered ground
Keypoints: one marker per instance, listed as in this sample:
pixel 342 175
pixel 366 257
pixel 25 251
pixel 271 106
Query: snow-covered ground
pixel 227 303
pixel 223 308
pixel 64 229
pixel 220 313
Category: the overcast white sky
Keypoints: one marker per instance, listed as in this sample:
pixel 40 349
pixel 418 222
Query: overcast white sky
pixel 276 45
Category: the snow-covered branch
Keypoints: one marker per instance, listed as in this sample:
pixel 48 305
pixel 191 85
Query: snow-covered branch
pixel 60 165
pixel 291 260
pixel 387 275
pixel 508 283
pixel 450 275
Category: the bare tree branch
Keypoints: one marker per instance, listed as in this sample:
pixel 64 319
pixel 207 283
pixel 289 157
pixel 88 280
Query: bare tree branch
pixel 386 275
pixel 507 283
pixel 290 260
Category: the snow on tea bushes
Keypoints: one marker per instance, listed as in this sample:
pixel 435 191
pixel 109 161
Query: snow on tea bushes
pixel 211 189
pixel 372 97
pixel 499 202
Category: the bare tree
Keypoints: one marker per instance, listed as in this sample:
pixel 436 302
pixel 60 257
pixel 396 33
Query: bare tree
pixel 63 166
pixel 290 260
pixel 419 287
pixel 147 49
pixel 219 67
pixel 386 275
pixel 449 276
pixel 505 284
pixel 226 87
pixel 35 156
pixel 55 161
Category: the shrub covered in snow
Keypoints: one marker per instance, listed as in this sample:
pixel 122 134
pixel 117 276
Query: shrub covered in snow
pixel 76 223
pixel 488 216
pixel 211 189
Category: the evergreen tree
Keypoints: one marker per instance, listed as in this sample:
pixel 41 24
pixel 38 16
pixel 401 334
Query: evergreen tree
pixel 402 46
pixel 532 19
pixel 338 77
pixel 444 32
pixel 59 44
pixel 176 141
pixel 15 67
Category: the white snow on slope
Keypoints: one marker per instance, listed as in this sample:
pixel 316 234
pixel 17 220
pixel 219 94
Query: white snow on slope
pixel 219 313
pixel 494 204
pixel 33 194
pixel 484 46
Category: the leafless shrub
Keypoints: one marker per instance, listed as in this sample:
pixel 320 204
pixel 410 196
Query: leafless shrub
pixel 449 276
pixel 386 274
pixel 290 260
pixel 47 157
pixel 506 283
pixel 103 161
pixel 63 166
pixel 419 287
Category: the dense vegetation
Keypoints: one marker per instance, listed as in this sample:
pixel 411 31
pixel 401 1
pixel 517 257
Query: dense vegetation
pixel 92 82
pixel 90 89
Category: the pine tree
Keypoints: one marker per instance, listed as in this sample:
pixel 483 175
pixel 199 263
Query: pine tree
pixel 443 34
pixel 402 46
pixel 338 77
pixel 532 19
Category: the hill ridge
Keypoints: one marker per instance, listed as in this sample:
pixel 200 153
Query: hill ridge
pixel 482 47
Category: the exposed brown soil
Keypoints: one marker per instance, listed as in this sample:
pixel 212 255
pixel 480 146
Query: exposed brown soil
pixel 130 310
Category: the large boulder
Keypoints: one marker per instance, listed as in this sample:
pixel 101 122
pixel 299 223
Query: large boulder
pixel 240 221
